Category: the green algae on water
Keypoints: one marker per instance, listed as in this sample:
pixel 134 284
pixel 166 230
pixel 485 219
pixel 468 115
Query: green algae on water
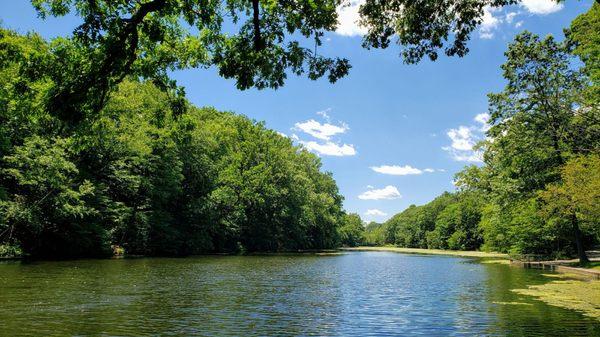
pixel 583 296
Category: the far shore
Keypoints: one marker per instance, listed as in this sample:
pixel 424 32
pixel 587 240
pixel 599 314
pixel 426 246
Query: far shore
pixel 461 253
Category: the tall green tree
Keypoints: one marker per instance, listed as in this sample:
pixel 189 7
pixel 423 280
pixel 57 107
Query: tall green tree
pixel 575 200
pixel 48 211
pixel 352 230
pixel 533 119
pixel 584 36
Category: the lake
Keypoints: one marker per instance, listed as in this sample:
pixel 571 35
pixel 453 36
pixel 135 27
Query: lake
pixel 352 294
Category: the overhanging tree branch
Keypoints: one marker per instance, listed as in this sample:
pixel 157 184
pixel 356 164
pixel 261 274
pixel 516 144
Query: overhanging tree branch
pixel 258 45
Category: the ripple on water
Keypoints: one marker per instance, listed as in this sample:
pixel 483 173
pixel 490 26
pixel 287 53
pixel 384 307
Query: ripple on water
pixel 356 294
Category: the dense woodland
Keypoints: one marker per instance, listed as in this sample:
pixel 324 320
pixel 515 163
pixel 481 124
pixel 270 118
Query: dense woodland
pixel 101 151
pixel 142 177
pixel 538 191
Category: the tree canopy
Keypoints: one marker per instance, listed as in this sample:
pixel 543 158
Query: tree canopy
pixel 257 43
pixel 147 177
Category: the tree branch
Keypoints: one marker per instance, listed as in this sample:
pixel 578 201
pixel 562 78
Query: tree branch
pixel 144 10
pixel 258 45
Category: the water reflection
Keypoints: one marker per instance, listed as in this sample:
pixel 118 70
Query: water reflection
pixel 358 294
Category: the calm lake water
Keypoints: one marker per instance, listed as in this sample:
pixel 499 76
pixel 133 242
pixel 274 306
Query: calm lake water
pixel 354 294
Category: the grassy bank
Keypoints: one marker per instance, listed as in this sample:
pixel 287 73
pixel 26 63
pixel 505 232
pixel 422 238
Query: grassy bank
pixel 461 253
pixel 591 265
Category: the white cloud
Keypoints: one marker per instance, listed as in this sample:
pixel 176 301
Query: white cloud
pixel 396 170
pixel 329 148
pixel 388 192
pixel 464 138
pixel 486 36
pixel 375 212
pixel 489 23
pixel 348 19
pixel 542 7
pixel 510 16
pixel 321 131
pixel 483 119
pixel 494 18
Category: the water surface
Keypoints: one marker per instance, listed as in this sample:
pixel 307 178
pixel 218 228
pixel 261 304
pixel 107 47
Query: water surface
pixel 354 294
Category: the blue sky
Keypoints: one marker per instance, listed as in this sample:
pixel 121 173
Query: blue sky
pixel 392 134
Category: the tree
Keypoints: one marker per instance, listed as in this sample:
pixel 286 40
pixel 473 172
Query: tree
pixel 576 198
pixel 533 119
pixel 148 38
pixel 410 228
pixel 374 234
pixel 584 36
pixel 49 210
pixel 352 230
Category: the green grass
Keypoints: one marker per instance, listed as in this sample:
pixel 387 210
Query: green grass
pixel 592 265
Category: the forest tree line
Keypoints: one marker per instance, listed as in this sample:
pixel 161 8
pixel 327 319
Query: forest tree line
pixel 538 190
pixel 146 174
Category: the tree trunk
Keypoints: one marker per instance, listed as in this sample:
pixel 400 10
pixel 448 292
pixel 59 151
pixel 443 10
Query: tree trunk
pixel 583 259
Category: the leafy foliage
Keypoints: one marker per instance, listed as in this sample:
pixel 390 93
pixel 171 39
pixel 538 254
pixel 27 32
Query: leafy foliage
pixel 424 27
pixel 254 42
pixel 148 177
pixel 352 231
pixel 257 43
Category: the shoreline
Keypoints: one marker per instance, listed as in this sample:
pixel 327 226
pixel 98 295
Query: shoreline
pixel 423 251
